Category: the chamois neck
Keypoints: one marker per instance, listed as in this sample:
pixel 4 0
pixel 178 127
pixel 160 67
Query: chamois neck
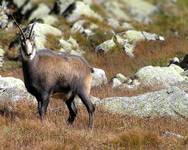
pixel 29 58
pixel 30 62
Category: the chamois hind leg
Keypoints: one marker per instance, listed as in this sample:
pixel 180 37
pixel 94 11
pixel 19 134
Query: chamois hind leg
pixel 89 106
pixel 72 109
pixel 43 101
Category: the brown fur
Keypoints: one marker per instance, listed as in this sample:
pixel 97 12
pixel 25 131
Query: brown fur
pixel 69 67
pixel 46 72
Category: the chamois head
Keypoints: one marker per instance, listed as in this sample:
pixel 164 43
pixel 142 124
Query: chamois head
pixel 28 50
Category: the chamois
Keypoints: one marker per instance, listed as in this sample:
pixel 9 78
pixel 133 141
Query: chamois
pixel 46 72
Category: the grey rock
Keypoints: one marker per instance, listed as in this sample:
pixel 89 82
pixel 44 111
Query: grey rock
pixel 115 10
pixel 105 46
pixel 41 31
pixel 42 12
pixel 115 24
pixel 99 77
pixel 84 27
pixel 160 76
pixel 141 10
pixel 63 5
pixel 170 102
pixel 172 134
pixel 82 9
pixel 70 46
pixel 116 83
pixel 121 77
pixel 3 18
pixel 19 3
pixel 120 81
pixel 14 90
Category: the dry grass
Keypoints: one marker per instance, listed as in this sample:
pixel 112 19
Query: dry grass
pixel 53 42
pixel 111 131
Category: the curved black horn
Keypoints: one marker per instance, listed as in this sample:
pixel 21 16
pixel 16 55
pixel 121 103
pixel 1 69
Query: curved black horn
pixel 31 29
pixel 19 28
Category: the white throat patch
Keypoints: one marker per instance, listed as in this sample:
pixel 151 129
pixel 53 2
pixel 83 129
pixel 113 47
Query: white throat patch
pixel 30 50
pixel 29 47
pixel 31 57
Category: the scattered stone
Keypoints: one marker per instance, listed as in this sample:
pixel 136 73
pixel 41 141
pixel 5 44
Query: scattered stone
pixel 116 83
pixel 82 9
pixel 105 46
pixel 84 27
pixel 121 77
pixel 160 76
pixel 171 134
pixel 94 100
pixel 116 25
pixel 170 102
pixel 99 77
pixel 115 10
pixel 120 81
pixel 71 46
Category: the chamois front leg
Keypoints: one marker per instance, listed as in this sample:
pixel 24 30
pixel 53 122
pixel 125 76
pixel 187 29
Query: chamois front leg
pixel 43 102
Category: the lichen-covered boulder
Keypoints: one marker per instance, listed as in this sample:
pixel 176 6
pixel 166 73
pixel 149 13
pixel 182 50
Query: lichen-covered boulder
pixel 160 76
pixel 170 102
pixel 13 89
pixel 115 10
pixel 140 10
